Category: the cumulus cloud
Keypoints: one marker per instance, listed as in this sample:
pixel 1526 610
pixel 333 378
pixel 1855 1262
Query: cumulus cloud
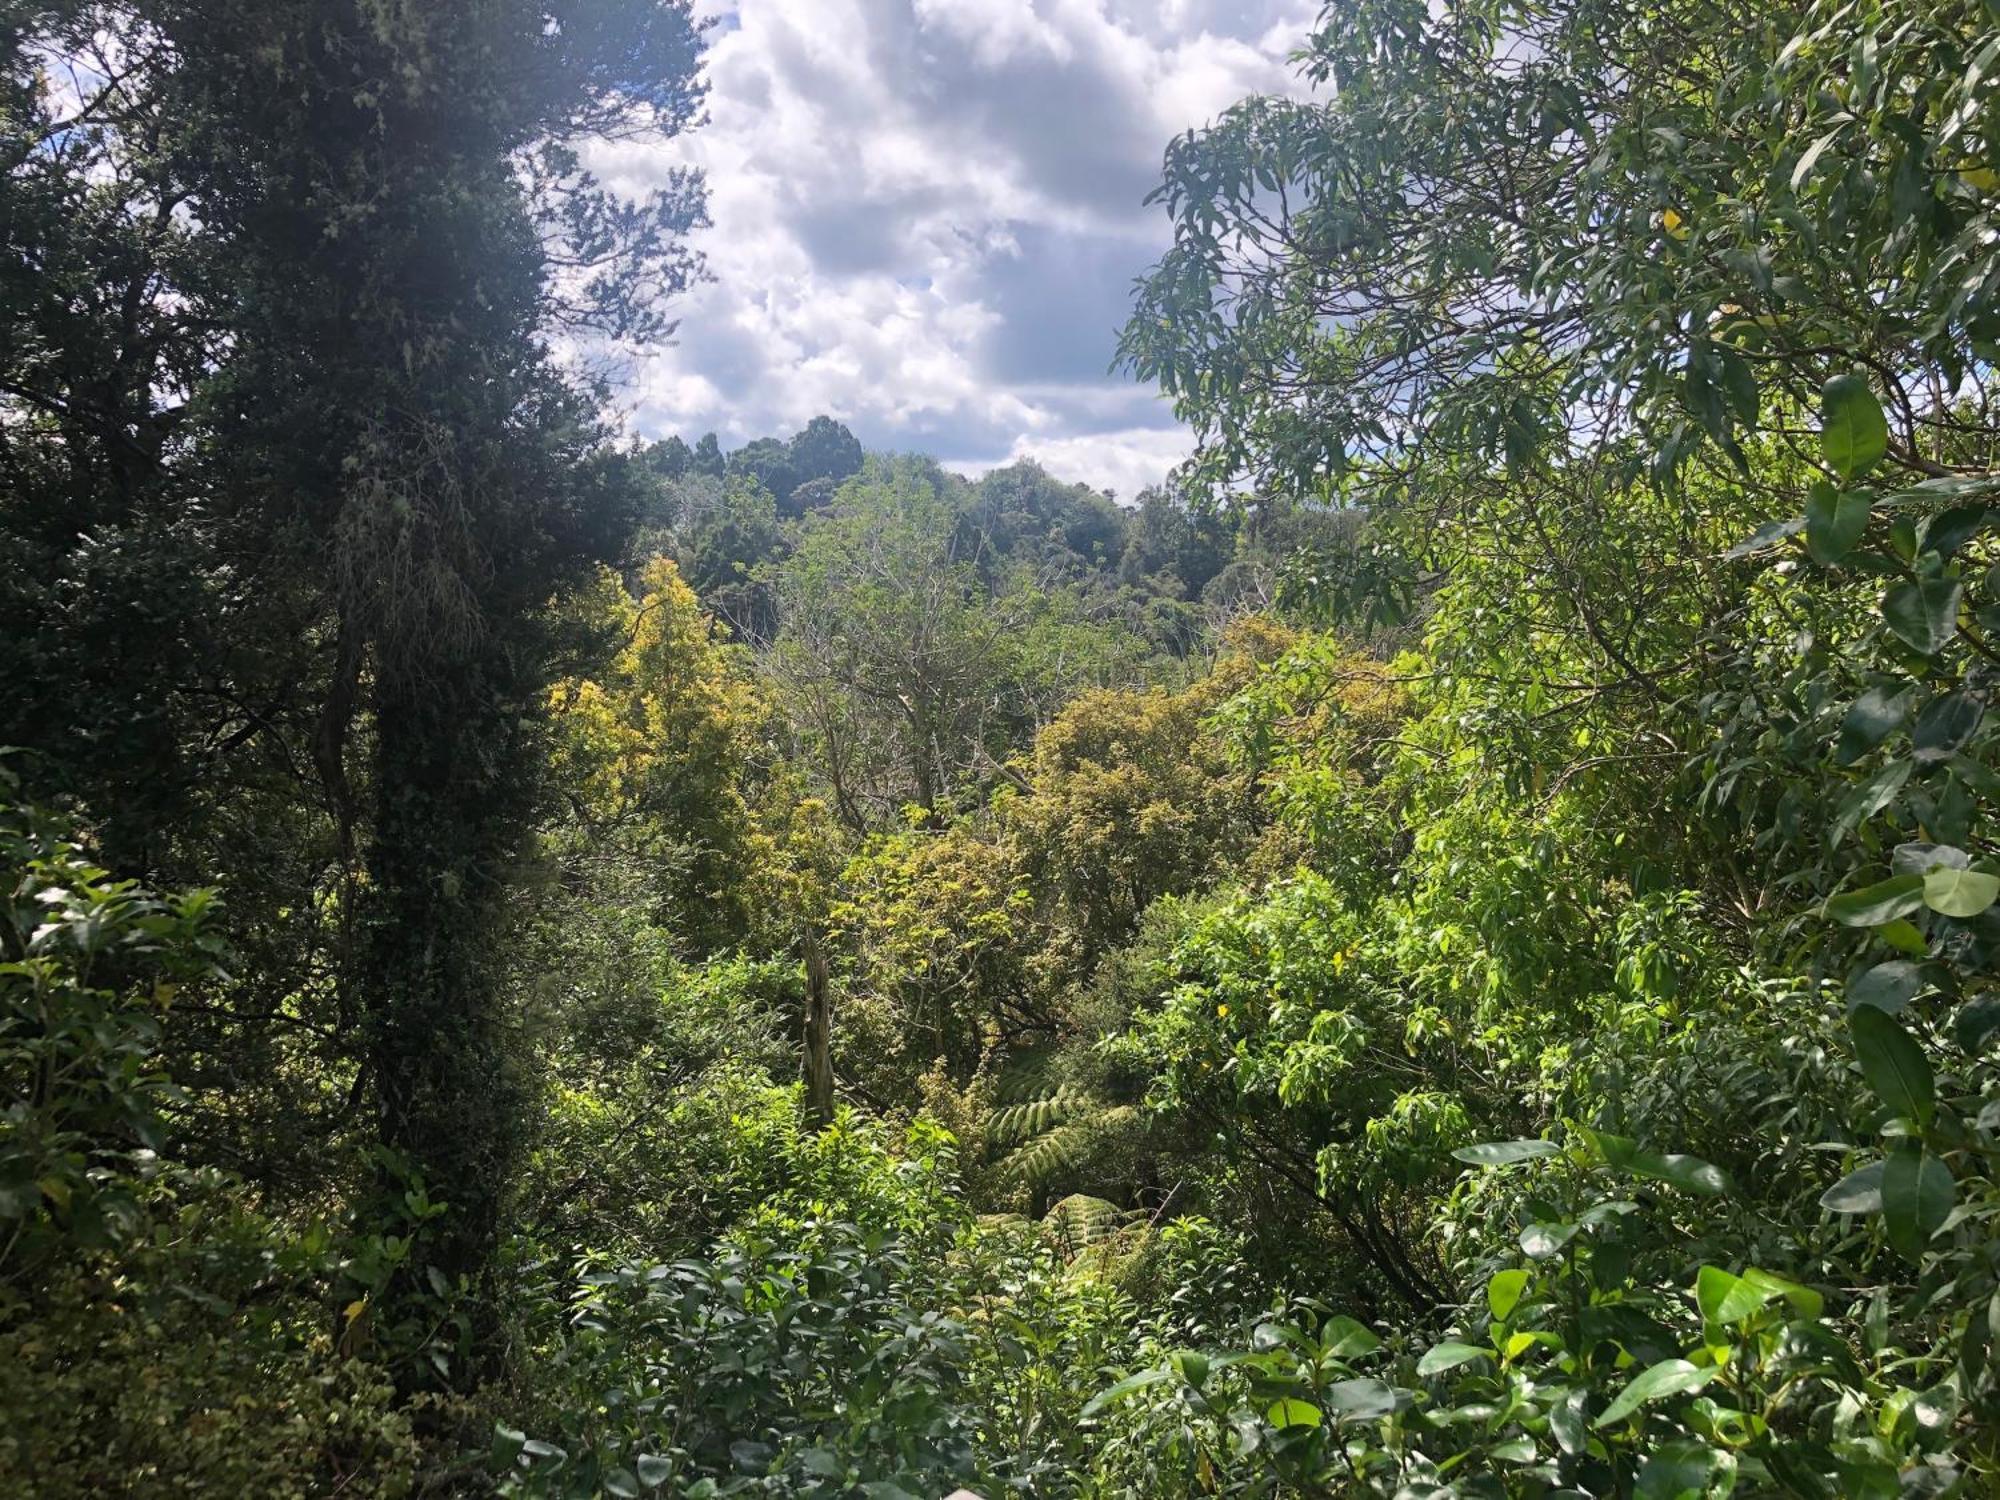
pixel 928 215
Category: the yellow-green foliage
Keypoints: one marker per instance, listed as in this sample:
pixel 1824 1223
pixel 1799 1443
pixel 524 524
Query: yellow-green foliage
pixel 136 1380
pixel 658 750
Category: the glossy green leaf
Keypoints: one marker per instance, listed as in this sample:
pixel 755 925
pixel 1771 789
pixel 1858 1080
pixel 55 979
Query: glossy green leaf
pixel 1360 1400
pixel 1871 719
pixel 507 1444
pixel 1503 1293
pixel 1344 1338
pixel 1893 1064
pixel 1903 937
pixel 1689 1173
pixel 1683 1469
pixel 1835 520
pixel 1859 1192
pixel 1545 1241
pixel 1917 1195
pixel 1976 1023
pixel 1126 1387
pixel 1886 986
pixel 1960 893
pixel 1854 434
pixel 1804 1301
pixel 1919 857
pixel 1923 613
pixel 1725 1297
pixel 1287 1412
pixel 1449 1356
pixel 1876 904
pixel 653 1470
pixel 1945 725
pixel 1869 798
pixel 1670 1377
pixel 1506 1153
pixel 1768 535
pixel 1566 1423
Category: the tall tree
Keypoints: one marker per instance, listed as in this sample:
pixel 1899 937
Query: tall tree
pixel 398 195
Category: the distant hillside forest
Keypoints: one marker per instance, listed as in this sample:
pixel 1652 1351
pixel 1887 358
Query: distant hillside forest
pixel 1451 950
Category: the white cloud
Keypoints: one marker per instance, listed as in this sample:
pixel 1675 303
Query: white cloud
pixel 1124 461
pixel 928 215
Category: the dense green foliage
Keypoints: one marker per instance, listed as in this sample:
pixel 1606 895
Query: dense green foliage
pixel 1453 952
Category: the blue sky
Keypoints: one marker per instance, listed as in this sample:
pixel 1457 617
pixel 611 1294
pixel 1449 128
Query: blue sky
pixel 928 217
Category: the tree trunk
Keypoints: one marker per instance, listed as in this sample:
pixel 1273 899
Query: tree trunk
pixel 819 1034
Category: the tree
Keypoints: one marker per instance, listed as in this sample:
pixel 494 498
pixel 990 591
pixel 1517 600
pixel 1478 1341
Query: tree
pixel 708 457
pixel 766 462
pixel 882 603
pixel 730 535
pixel 398 195
pixel 655 749
pixel 1664 228
pixel 824 449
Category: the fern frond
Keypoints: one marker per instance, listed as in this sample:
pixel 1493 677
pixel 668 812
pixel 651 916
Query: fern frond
pixel 1025 1078
pixel 1048 1155
pixel 1016 1122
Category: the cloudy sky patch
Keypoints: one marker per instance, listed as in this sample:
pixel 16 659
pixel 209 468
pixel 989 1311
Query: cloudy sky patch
pixel 929 215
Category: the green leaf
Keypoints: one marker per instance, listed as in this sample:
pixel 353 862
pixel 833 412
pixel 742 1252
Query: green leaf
pixel 1871 719
pixel 1804 1301
pixel 1887 986
pixel 1506 1153
pixel 1689 1173
pixel 1449 1356
pixel 1859 1192
pixel 507 1445
pixel 1726 1298
pixel 1893 1064
pixel 1873 905
pixel 620 1482
pixel 1667 1378
pixel 1545 1241
pixel 1853 432
pixel 1286 1412
pixel 1923 613
pixel 1977 1020
pixel 655 1471
pixel 1680 1470
pixel 1359 1400
pixel 1945 534
pixel 1520 1450
pixel 1945 725
pixel 1503 1293
pixel 1917 1195
pixel 1344 1338
pixel 1919 857
pixel 821 1463
pixel 1869 798
pixel 1903 937
pixel 1124 1388
pixel 1767 535
pixel 1566 1423
pixel 1960 893
pixel 1835 520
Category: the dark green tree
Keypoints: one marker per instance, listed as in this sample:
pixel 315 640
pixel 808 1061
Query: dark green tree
pixel 767 462
pixel 824 449
pixel 393 208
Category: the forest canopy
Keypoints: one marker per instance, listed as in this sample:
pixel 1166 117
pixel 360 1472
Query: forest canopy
pixel 1451 948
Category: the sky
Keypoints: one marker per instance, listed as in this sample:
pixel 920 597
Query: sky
pixel 928 216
